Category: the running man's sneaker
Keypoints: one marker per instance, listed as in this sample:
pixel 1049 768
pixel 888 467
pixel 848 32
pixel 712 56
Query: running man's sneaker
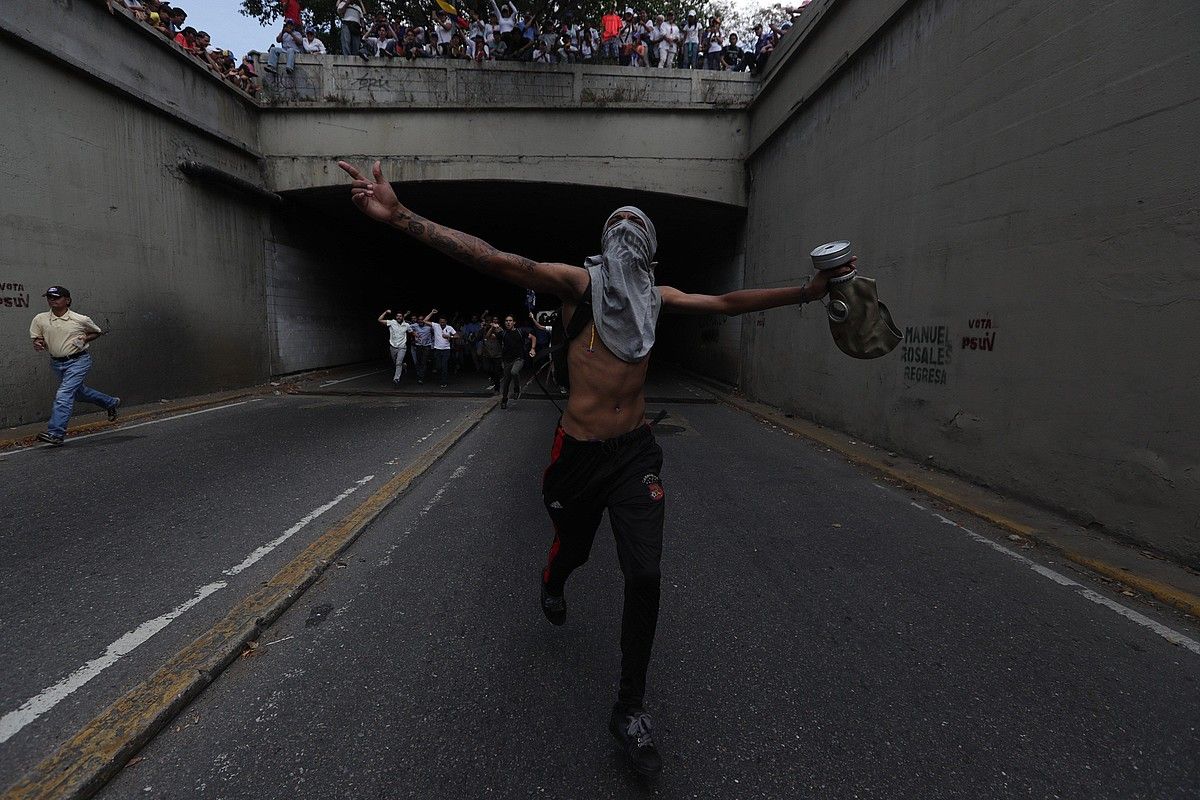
pixel 632 727
pixel 555 608
pixel 49 438
pixel 112 411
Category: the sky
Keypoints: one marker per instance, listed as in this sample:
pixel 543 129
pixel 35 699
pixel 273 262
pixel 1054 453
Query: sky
pixel 229 29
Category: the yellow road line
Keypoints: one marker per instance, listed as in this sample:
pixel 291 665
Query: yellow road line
pixel 86 761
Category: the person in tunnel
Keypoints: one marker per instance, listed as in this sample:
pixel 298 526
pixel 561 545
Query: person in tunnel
pixel 604 455
pixel 398 336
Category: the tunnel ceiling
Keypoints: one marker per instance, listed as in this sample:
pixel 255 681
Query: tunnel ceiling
pixel 542 221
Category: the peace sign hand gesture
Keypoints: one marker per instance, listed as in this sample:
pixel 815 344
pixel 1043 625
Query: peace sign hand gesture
pixel 374 198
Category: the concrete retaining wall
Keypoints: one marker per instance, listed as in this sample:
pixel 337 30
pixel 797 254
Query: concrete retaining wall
pixel 1019 177
pixel 92 199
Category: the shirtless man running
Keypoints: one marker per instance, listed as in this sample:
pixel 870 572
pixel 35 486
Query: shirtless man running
pixel 604 454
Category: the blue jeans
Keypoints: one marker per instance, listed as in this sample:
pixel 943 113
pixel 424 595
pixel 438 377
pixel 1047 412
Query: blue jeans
pixel 350 39
pixel 441 362
pixel 273 58
pixel 421 360
pixel 72 373
pixel 689 55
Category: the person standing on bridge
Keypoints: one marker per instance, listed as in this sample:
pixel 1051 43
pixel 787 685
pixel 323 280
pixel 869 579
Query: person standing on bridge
pixel 604 454
pixel 66 335
pixel 668 41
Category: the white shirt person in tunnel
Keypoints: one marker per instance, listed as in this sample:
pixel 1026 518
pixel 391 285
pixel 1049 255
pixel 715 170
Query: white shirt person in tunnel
pixel 398 335
pixel 604 456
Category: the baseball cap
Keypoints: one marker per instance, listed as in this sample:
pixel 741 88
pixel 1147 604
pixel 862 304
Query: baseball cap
pixel 56 291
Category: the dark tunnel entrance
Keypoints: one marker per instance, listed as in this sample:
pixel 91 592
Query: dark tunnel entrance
pixel 331 272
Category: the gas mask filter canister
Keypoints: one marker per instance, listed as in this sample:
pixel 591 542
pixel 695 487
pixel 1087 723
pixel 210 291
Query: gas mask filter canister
pixel 861 325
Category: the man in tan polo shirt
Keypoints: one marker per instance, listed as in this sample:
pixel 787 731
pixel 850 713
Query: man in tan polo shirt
pixel 65 335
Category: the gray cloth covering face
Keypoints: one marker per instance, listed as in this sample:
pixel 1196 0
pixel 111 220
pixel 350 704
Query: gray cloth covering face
pixel 625 301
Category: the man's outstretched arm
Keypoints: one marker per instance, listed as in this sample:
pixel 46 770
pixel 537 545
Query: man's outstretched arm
pixel 377 200
pixel 747 300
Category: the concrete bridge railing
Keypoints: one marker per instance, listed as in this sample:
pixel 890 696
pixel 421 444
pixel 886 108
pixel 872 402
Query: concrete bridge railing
pixel 323 81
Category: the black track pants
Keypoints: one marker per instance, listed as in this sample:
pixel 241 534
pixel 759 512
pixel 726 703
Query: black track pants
pixel 622 475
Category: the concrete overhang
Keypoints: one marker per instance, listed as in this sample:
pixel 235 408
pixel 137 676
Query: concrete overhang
pixel 677 134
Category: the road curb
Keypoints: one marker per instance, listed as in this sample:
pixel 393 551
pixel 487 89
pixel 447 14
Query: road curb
pixel 159 411
pixel 935 485
pixel 89 759
pixel 282 385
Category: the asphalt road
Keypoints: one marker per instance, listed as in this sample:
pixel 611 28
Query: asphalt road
pixel 822 635
pixel 168 524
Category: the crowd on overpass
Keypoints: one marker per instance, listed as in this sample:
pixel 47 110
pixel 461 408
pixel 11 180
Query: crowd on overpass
pixel 628 37
pixel 639 38
pixel 171 22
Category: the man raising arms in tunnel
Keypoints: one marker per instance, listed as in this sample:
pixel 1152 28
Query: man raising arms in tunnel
pixel 604 454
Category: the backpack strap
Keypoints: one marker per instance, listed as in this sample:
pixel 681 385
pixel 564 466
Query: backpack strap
pixel 582 316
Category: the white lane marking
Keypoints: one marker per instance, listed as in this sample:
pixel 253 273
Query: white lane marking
pixel 1171 635
pixel 12 722
pixel 437 496
pixel 34 707
pixel 352 378
pixel 433 431
pixel 261 552
pixel 135 425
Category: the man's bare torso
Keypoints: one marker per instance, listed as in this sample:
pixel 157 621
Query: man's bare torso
pixel 608 395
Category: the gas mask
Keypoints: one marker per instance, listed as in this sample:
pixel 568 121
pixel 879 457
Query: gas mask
pixel 861 325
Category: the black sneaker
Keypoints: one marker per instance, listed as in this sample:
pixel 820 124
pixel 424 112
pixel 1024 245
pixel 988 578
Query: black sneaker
pixel 632 728
pixel 555 608
pixel 50 438
pixel 112 412
pixel 504 404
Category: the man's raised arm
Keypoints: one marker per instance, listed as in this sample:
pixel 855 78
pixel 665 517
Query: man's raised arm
pixel 744 301
pixel 377 200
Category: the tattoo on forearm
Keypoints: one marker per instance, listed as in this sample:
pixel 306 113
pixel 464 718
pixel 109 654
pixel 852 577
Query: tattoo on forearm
pixel 470 250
